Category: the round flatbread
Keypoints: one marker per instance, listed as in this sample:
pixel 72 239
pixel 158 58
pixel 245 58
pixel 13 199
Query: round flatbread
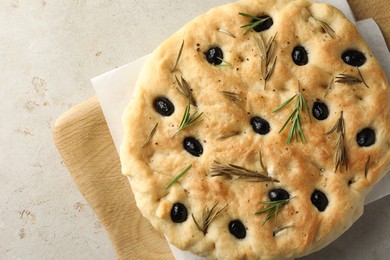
pixel 256 130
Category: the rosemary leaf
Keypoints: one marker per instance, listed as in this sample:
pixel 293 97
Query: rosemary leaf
pixel 256 22
pixel 329 87
pixel 350 80
pixel 284 104
pixel 307 109
pixel 361 77
pixel 271 70
pixel 226 32
pixel 295 118
pixel 272 209
pixel 185 90
pixel 270 48
pixel 326 27
pixel 207 217
pixel 231 134
pixel 262 164
pixel 250 16
pixel 288 121
pixel 196 223
pixel 341 157
pixel 178 177
pixel 237 172
pixel 231 95
pixel 150 136
pixel 347 79
pixel 280 229
pixel 367 166
pixel 224 63
pixel 188 119
pixel 178 57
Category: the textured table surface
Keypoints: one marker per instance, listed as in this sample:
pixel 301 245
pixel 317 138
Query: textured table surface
pixel 48 52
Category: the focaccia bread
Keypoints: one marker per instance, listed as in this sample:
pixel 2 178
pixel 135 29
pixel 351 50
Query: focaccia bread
pixel 256 131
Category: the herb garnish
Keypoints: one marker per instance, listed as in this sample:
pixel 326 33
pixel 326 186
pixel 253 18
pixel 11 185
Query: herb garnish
pixel 341 157
pixel 188 119
pixel 262 165
pixel 231 134
pixel 178 57
pixel 238 173
pixel 224 63
pixel 346 79
pixel 178 177
pixel 231 95
pixel 185 90
pixel 150 136
pixel 272 209
pixel 350 80
pixel 367 166
pixel 226 32
pixel 207 217
pixel 256 22
pixel 295 118
pixel 267 51
pixel 279 229
pixel 326 27
pixel 329 87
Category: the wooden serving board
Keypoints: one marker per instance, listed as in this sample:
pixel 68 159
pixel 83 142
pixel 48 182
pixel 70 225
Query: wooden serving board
pixel 85 144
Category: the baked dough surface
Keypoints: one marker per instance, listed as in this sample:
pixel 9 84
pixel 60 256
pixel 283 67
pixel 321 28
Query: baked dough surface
pixel 300 167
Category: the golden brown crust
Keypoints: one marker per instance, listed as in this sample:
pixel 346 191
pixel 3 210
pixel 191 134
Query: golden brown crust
pixel 300 168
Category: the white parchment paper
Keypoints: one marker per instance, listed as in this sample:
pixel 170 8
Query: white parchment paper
pixel 114 90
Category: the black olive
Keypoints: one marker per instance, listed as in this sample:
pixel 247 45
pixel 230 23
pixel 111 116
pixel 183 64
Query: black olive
pixel 319 200
pixel 237 229
pixel 354 58
pixel 365 137
pixel 179 213
pixel 260 125
pixel 163 106
pixel 278 194
pixel 299 56
pixel 214 56
pixel 265 25
pixel 320 111
pixel 193 146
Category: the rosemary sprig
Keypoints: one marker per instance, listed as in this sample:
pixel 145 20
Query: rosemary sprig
pixel 226 32
pixel 189 119
pixel 367 166
pixel 256 21
pixel 341 157
pixel 329 87
pixel 224 63
pixel 326 27
pixel 280 229
pixel 267 50
pixel 347 79
pixel 350 80
pixel 178 57
pixel 185 90
pixel 207 217
pixel 295 118
pixel 231 95
pixel 231 134
pixel 147 140
pixel 178 177
pixel 272 209
pixel 238 173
